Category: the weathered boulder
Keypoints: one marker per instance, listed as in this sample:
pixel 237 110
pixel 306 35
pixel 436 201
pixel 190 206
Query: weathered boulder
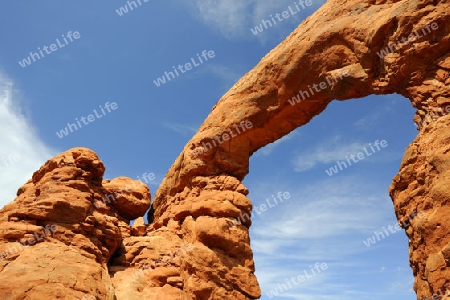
pixel 57 236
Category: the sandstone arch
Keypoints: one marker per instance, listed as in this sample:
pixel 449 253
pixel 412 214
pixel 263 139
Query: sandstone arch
pixel 199 254
pixel 331 42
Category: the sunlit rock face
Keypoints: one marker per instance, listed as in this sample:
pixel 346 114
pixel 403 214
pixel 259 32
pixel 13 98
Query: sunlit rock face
pixel 347 49
pixel 423 186
pixel 197 244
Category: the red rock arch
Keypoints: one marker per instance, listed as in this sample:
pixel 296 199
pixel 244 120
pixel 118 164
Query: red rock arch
pixel 340 38
pixel 194 251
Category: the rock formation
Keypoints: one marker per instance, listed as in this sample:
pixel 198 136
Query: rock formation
pixel 63 228
pixel 194 248
pixel 423 185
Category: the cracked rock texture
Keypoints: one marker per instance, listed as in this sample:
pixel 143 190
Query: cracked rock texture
pixel 193 247
pixel 423 185
pixel 67 192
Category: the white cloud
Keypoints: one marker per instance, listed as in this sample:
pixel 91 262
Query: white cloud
pixel 310 228
pixel 181 128
pixel 335 150
pixel 235 18
pixel 21 150
pixel 227 16
pixel 324 209
pixel 370 121
pixel 227 75
pixel 325 153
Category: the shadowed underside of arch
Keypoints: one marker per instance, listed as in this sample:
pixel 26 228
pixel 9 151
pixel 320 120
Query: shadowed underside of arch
pixel 356 48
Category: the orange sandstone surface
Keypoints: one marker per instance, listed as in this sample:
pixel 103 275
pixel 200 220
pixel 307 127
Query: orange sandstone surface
pixel 66 235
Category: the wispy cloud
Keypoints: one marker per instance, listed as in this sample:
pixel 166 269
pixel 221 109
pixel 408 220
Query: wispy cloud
pixel 226 74
pixel 325 153
pixel 227 16
pixel 369 121
pixel 307 228
pixel 180 128
pixel 234 18
pixel 265 10
pixel 21 150
pixel 336 149
pixel 310 204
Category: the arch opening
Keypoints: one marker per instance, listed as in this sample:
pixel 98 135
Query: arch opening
pixel 345 220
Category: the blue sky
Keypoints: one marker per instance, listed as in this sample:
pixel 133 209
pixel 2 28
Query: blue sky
pixel 117 58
